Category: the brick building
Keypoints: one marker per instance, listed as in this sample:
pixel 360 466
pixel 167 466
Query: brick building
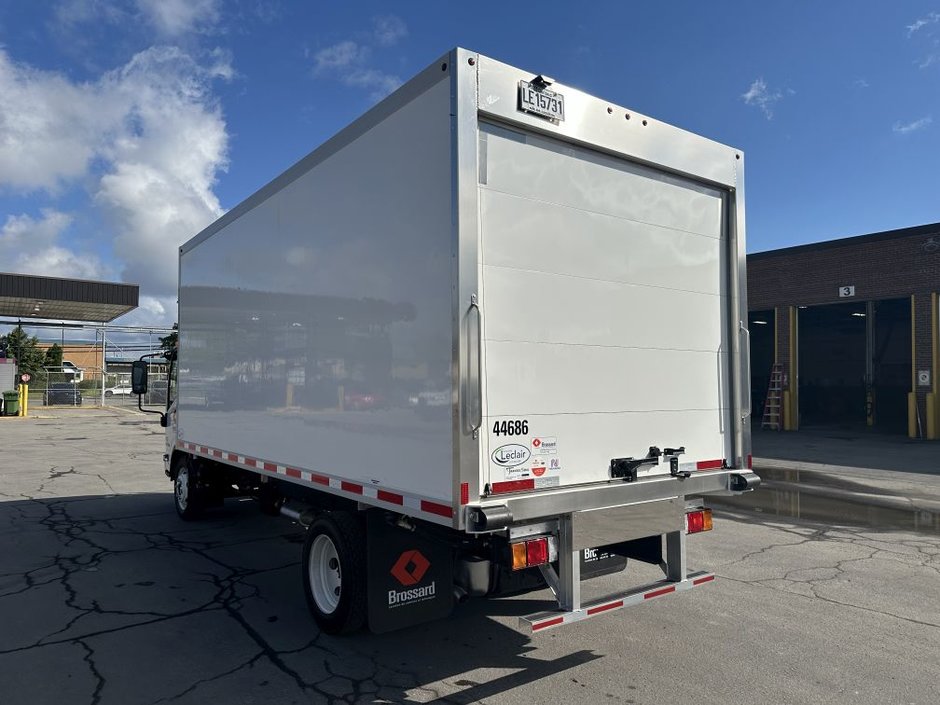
pixel 853 325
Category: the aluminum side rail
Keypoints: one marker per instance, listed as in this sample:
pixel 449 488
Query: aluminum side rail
pixel 497 512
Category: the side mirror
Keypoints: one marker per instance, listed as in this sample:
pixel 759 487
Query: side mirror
pixel 163 420
pixel 139 377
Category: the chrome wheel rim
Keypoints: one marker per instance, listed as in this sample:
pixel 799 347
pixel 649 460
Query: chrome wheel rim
pixel 325 574
pixel 182 488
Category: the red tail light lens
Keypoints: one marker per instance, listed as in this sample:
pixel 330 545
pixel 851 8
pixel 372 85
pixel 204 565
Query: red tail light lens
pixel 697 521
pixel 536 552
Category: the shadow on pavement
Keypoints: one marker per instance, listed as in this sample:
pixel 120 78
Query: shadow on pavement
pixel 114 599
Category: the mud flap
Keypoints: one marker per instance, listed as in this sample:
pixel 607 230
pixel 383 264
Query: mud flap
pixel 410 576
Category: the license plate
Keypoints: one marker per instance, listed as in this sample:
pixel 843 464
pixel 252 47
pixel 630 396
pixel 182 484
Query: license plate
pixel 541 101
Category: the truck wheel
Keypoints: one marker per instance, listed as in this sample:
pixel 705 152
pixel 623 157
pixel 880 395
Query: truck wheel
pixel 185 493
pixel 334 573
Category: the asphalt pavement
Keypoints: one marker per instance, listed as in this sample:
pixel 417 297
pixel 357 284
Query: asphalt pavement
pixel 107 597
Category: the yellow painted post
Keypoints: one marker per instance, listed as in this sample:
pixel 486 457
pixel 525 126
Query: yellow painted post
pixel 25 406
pixel 912 395
pixel 933 398
pixel 290 395
pixel 793 396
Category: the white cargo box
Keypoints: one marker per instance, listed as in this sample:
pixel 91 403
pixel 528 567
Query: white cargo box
pixel 481 293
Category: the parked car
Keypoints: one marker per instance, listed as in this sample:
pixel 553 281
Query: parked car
pixel 122 389
pixel 62 393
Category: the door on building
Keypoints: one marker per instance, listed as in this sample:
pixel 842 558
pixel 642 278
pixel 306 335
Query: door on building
pixel 855 365
pixel 761 325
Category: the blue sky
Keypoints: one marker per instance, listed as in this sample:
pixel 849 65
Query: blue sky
pixel 128 125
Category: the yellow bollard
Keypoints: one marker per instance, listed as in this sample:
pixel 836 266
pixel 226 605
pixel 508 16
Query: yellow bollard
pixel 25 406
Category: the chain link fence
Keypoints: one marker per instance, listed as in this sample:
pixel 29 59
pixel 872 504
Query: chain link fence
pixel 90 386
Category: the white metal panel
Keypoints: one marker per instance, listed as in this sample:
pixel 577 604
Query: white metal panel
pixel 605 310
pixel 571 314
pixel 596 183
pixel 638 253
pixel 316 328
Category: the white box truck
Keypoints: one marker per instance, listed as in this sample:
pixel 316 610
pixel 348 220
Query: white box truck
pixel 490 337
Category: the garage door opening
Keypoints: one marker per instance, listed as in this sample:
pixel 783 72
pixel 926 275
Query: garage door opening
pixel 855 365
pixel 832 365
pixel 891 364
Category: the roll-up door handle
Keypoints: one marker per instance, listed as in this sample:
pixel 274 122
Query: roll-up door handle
pixel 473 400
pixel 745 371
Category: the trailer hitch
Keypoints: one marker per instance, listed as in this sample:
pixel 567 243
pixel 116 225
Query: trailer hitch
pixel 626 468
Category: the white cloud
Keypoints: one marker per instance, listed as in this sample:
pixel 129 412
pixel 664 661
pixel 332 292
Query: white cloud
pixel 32 246
pixel 349 61
pixel 147 140
pixel 341 56
pixel 860 83
pixel 905 128
pixel 929 19
pixel 173 18
pixel 760 96
pixel 388 30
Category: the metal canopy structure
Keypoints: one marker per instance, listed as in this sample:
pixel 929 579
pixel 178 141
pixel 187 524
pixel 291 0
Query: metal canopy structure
pixel 32 297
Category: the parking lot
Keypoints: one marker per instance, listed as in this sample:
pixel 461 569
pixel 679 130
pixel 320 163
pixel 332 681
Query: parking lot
pixel 107 597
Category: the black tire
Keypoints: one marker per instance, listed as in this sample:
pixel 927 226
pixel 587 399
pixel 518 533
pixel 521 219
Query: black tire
pixel 109 393
pixel 187 497
pixel 345 533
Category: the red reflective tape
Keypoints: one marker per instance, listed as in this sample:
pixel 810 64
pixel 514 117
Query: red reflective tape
pixel 251 461
pixel 320 480
pixel 464 492
pixel 435 508
pixel 293 472
pixel 390 497
pixel 750 461
pixel 203 449
pixel 513 486
pixel 270 467
pixel 547 623
pixel 351 487
pixel 707 578
pixel 657 593
pixel 217 453
pixel 233 457
pixel 709 464
pixel 604 608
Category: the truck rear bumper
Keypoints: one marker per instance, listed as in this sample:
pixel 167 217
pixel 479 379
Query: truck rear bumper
pixel 543 621
pixel 549 503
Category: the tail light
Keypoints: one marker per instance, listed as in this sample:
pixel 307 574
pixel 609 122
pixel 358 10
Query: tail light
pixel 534 552
pixel 699 520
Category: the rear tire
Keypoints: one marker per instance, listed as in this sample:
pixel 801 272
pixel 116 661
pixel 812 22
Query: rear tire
pixel 334 572
pixel 186 496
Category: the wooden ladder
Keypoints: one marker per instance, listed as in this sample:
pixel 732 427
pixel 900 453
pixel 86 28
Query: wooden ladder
pixel 773 402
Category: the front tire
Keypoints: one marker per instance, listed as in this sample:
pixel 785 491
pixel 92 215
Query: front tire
pixel 334 572
pixel 185 491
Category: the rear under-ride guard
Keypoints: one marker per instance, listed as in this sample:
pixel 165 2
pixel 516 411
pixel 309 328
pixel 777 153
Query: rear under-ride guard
pixel 566 582
pixel 542 621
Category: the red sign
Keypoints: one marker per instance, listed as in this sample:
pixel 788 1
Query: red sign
pixel 410 567
pixel 25 377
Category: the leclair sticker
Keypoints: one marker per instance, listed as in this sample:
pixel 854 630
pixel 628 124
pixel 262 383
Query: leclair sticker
pixel 511 455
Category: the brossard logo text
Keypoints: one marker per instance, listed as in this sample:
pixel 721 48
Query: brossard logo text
pixel 400 597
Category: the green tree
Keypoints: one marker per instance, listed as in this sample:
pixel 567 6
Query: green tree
pixel 168 342
pixel 53 356
pixel 25 349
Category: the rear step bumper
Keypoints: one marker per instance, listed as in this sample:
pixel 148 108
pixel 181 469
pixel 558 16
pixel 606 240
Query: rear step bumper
pixel 542 621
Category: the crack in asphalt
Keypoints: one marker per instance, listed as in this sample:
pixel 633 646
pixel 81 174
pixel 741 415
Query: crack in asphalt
pixel 926 549
pixel 231 592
